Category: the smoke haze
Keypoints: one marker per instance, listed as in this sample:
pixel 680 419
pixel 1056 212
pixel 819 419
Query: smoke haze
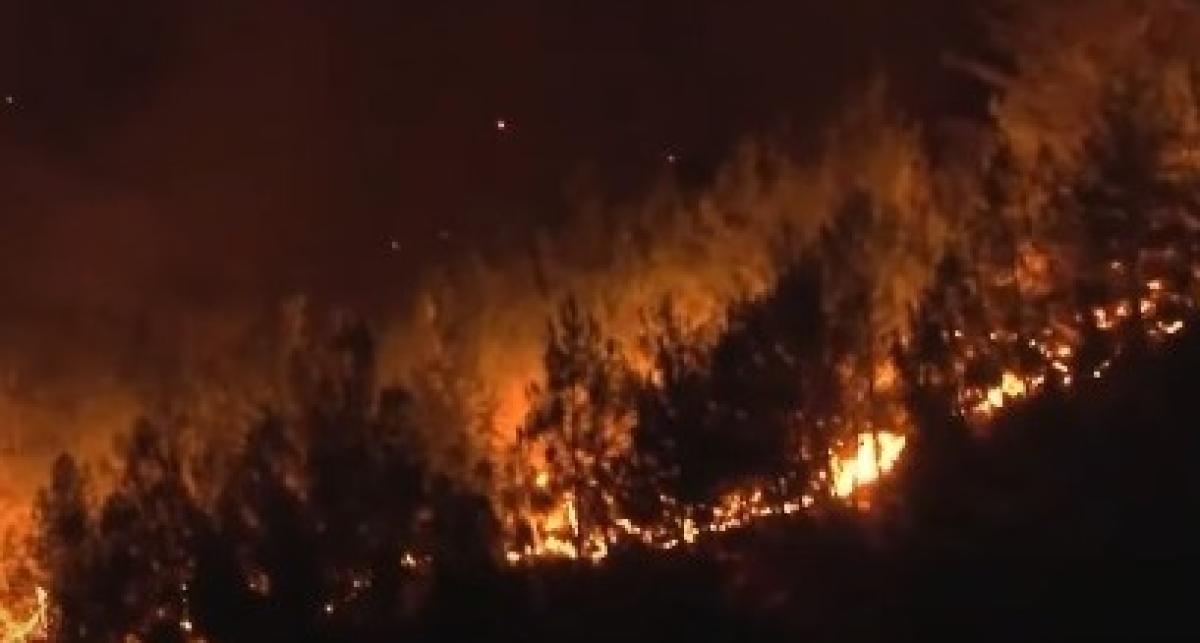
pixel 170 173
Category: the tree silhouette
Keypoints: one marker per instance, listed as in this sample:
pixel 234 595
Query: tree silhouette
pixel 738 407
pixel 579 418
pixel 66 549
pixel 126 570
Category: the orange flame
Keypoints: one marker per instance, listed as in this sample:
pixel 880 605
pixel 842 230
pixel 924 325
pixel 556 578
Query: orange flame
pixel 32 627
pixel 876 455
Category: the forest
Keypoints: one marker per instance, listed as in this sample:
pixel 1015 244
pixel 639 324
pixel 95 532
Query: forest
pixel 932 377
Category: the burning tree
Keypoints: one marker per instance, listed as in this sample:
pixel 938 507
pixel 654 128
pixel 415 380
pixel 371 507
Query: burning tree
pixel 65 544
pixel 325 518
pixel 126 568
pixel 1135 201
pixel 737 408
pixel 576 433
pixel 331 512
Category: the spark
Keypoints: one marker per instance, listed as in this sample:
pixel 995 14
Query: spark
pixel 408 561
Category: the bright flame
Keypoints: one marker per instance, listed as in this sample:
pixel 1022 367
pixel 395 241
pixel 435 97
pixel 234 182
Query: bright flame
pixel 853 467
pixel 874 457
pixel 556 532
pixel 1011 387
pixel 32 627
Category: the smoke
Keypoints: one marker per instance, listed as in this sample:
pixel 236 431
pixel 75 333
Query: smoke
pixel 146 249
pixel 920 175
pixel 487 319
pixel 169 174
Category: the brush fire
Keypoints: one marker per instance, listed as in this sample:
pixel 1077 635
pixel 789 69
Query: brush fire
pixel 697 365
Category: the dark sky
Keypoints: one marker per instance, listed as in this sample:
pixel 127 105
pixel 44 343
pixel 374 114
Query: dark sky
pixel 216 151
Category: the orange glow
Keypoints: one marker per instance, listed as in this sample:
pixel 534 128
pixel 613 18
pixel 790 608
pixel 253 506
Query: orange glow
pixel 556 532
pixel 873 457
pixel 852 468
pixel 1010 388
pixel 33 626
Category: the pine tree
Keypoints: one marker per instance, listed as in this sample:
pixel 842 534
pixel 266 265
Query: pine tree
pixel 580 418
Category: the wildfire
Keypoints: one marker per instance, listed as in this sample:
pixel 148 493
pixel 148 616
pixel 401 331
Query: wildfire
pixel 557 535
pixel 868 456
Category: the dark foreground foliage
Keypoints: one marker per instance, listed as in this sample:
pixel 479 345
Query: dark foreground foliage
pixel 1075 515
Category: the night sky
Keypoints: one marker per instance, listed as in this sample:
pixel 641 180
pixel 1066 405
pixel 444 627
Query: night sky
pixel 210 152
